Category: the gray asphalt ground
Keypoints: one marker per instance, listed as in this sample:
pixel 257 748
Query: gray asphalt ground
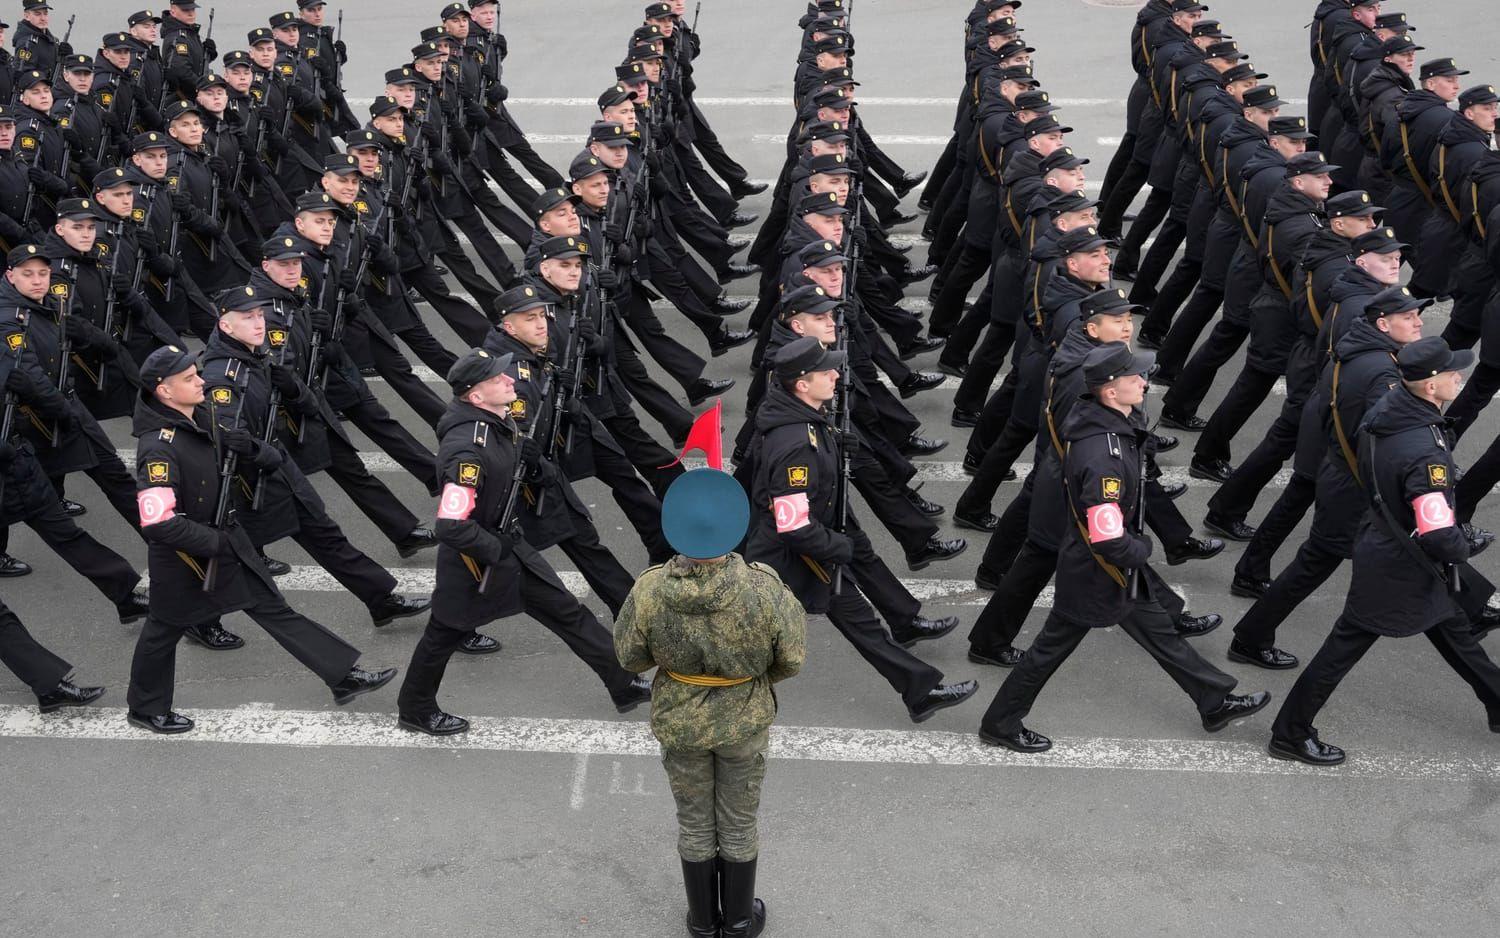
pixel 131 836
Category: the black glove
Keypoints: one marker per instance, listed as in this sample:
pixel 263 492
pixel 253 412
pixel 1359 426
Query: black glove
pixel 7 453
pixel 608 280
pixel 341 50
pixel 17 383
pixel 240 441
pixel 594 344
pixel 475 113
pixel 286 382
pixel 349 279
pixel 210 50
pixel 564 377
pixel 849 441
pixel 85 334
pixel 495 94
pixel 430 133
pixel 616 233
pixel 220 166
pixel 321 321
pixel 443 166
pixel 625 255
pixel 181 204
pixel 163 266
pixel 64 50
pixel 53 186
pixel 841 548
pixel 375 243
pixel 531 455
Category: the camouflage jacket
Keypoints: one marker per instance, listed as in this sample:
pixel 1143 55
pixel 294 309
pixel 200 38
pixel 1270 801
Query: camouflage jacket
pixel 728 620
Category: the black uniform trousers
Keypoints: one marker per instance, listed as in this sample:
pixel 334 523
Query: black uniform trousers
pixel 1004 615
pixel 989 357
pixel 485 245
pixel 1288 511
pixel 539 168
pixel 941 170
pixel 469 323
pixel 683 365
pixel 452 253
pixel 391 365
pixel 600 569
pixel 668 279
pixel 325 542
pixel 505 220
pixel 969 264
pixel 1112 215
pixel 1166 301
pixel 1250 389
pixel 371 417
pixel 1236 497
pixel 1004 545
pixel 655 463
pixel 111 574
pixel 653 398
pixel 1187 327
pixel 1347 644
pixel 640 504
pixel 887 500
pixel 1314 564
pixel 1148 624
pixel 153 668
pixel 1154 265
pixel 547 603
pixel 715 198
pixel 713 151
pixel 113 479
pixel 511 183
pixel 35 666
pixel 1477 482
pixel 377 502
pixel 1195 380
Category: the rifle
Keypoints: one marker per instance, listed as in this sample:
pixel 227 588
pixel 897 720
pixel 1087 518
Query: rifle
pixel 508 516
pixel 64 344
pixel 213 205
pixel 174 234
pixel 116 232
pixel 698 8
pixel 843 394
pixel 227 471
pixel 209 33
pixel 268 436
pixel 8 415
pixel 57 67
pixel 40 132
pixel 558 399
pixel 1140 499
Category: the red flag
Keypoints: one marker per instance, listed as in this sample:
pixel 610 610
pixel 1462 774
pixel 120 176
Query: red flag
pixel 706 436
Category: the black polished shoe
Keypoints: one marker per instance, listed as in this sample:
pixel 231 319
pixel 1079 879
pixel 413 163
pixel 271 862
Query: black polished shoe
pixel 1272 659
pixel 1022 740
pixel 907 183
pixel 1210 470
pixel 942 697
pixel 436 723
pixel 919 381
pixel 167 724
pixel 733 272
pixel 368 371
pixel 1489 621
pixel 1311 750
pixel 729 339
pixel 479 644
pixel 704 388
pixel 925 205
pixel 725 306
pixel 1247 587
pixel 740 219
pixel 936 548
pixel 1190 626
pixel 214 637
pixel 418 540
pixel 1192 423
pixel 738 243
pixel 744 915
pixel 1173 490
pixel 11 567
pixel 1006 657
pixel 964 418
pixel 948 368
pixel 987 579
pixel 986 521
pixel 275 567
pixel 917 274
pixel 637 693
pixel 359 681
pixel 1193 549
pixel 1233 708
pixel 67 694
pixel 1147 341
pixel 922 505
pixel 1232 529
pixel 72 509
pixel 1477 537
pixel 1163 378
pixel 922 345
pixel 746 188
pixel 134 608
pixel 389 608
pixel 970 464
pixel 1165 443
pixel 918 445
pixel 902 248
pixel 898 218
pixel 923 630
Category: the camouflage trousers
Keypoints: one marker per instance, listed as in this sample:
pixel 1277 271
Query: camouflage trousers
pixel 718 796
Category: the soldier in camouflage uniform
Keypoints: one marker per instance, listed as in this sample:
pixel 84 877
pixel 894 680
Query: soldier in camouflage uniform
pixel 720 632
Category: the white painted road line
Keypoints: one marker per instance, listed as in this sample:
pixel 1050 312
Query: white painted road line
pixel 319 728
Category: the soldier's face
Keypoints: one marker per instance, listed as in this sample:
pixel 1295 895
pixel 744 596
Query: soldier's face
pixel 1067 221
pixel 827 60
pixel 1045 144
pixel 184 389
pixel 1000 12
pixel 430 68
pixel 840 114
pixel 188 15
pixel 245 325
pixel 1128 391
pixel 187 130
pixel 825 147
pixel 288 35
pixel 818 386
pixel 263 53
pixel 404 95
pixel 38 18
pixel 827 227
pixel 313 15
pixel 1483 116
pixel 80 82
pixel 838 184
pixel 1406 61
pixel 1089 266
pixel 284 272
pixel 622 113
pixel 1385 268
pixel 664 23
pixel 485 15
pixel 829 276
pixel 392 124
pixel 31 278
pixel 341 187
pixel 1444 86
pixel 561 219
pixel 1313 185
pixel 493 394
pixel 1367 14
pixel 213 99
pixel 1186 21
pixel 147 32
pixel 457 26
pixel 613 157
pixel 563 273
pixel 117 200
pixel 1020 58
pixel 119 58
pixel 652 69
pixel 595 194
pixel 38 97
pixel 152 161
pixel 79 233
pixel 1068 180
pixel 1445 387
pixel 239 77
pixel 679 7
pixel 528 328
pixel 1352 226
pixel 1261 117
pixel 369 161
pixel 820 326
pixel 1405 327
pixel 316 227
pixel 1287 146
pixel 1111 328
pixel 7 134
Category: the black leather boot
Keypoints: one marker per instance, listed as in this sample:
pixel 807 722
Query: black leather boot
pixel 701 879
pixel 744 915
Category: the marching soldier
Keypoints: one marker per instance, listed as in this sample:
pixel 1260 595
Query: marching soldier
pixel 43 671
pixel 202 562
pixel 184 55
pixel 485 569
pixel 720 632
pixel 36 48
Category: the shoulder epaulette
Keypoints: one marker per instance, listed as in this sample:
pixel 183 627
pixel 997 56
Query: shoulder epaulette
pixel 481 433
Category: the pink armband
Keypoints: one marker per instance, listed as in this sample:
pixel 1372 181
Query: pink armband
pixel 1432 512
pixel 156 504
pixel 1106 522
pixel 791 512
pixel 457 502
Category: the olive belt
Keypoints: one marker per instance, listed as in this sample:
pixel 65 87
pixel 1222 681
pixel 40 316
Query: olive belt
pixel 705 680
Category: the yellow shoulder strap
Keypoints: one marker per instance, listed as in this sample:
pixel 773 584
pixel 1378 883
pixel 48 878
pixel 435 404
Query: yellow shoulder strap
pixel 1411 164
pixel 1338 425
